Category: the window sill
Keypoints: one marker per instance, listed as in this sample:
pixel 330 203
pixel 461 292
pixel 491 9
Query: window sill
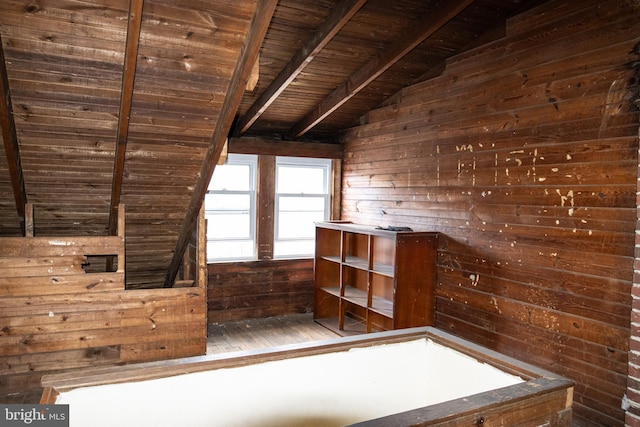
pixel 261 261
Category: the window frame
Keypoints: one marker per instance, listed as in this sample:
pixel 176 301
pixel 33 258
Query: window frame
pixel 252 161
pixel 265 192
pixel 300 162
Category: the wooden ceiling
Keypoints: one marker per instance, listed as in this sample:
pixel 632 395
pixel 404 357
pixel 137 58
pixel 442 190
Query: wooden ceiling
pixel 116 101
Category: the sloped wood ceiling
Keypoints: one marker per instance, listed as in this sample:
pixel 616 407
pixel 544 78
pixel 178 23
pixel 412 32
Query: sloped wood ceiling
pixel 108 102
pixel 89 133
pixel 377 30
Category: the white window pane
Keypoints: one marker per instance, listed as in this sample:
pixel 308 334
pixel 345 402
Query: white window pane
pixel 300 180
pixel 296 215
pixel 208 200
pixel 232 249
pixel 229 202
pixel 229 226
pixel 231 178
pixel 230 209
pixel 301 204
pixel 290 248
pixel 292 225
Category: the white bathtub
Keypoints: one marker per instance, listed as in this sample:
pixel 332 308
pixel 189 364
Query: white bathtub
pixel 395 374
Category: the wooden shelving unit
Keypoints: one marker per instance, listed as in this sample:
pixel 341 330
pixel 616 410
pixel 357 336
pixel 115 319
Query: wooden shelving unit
pixel 370 279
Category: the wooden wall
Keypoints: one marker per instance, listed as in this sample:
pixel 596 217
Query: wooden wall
pixel 254 289
pixel 523 153
pixel 193 270
pixel 57 314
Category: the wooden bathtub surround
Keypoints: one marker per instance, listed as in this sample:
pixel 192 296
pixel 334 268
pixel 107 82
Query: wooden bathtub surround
pixel 61 308
pixel 543 398
pixel 369 279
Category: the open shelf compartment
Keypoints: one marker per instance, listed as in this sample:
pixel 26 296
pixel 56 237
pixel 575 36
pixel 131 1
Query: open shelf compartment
pixel 379 279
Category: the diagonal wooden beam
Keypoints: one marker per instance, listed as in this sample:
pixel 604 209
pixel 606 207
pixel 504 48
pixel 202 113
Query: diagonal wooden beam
pixel 241 74
pixel 416 34
pixel 10 138
pixel 126 97
pixel 338 18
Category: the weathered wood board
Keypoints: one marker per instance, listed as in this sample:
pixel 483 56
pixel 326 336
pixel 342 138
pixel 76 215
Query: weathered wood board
pixel 57 315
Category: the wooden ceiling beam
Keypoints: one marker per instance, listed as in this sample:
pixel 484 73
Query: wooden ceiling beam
pixel 124 117
pixel 248 56
pixel 277 147
pixel 10 138
pixel 416 34
pixel 338 18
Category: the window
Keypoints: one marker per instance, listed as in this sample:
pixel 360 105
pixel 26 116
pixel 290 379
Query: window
pixel 266 202
pixel 230 209
pixel 302 198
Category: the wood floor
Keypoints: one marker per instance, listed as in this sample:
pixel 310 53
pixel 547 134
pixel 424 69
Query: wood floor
pixel 262 333
pixel 239 336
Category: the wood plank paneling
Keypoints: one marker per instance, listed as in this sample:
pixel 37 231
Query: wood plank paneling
pixel 523 154
pixel 96 328
pixel 254 289
pixel 377 26
pixel 186 59
pixel 55 54
pixel 56 315
pixel 65 63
